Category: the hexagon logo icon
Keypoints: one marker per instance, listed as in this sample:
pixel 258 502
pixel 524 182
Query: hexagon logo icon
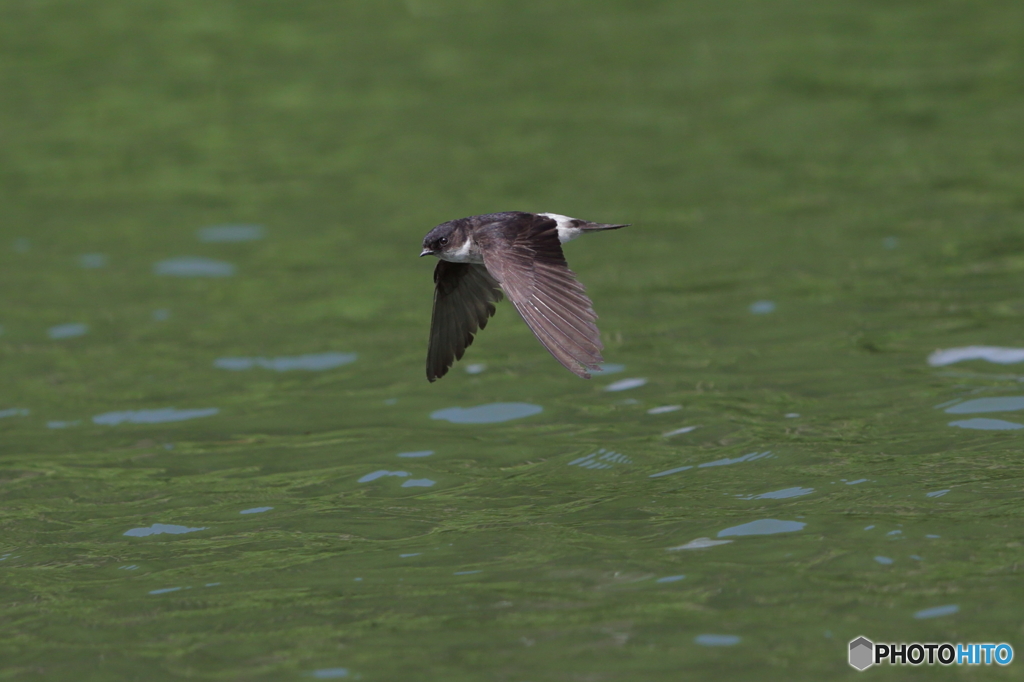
pixel 862 652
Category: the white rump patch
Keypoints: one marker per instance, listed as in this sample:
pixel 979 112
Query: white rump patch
pixel 566 232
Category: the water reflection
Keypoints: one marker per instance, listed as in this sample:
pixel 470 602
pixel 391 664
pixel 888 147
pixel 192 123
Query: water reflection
pixel 67 331
pixel 166 414
pixel 165 590
pixel 313 362
pixel 381 473
pixel 664 408
pixel 466 572
pixel 937 493
pixel 161 315
pixel 475 368
pixel 22 245
pixel 159 529
pixel 92 260
pixel 62 424
pixel 625 384
pixel 995 354
pixel 884 560
pixel 602 459
pixel 670 579
pixel 763 527
pixel 750 457
pixel 1003 404
pixel 677 432
pixel 670 471
pixel 193 266
pixel 780 494
pixel 699 543
pixel 717 640
pixel 14 412
pixel 255 510
pixel 937 611
pixel 330 673
pixel 987 424
pixel 417 453
pixel 418 483
pixel 487 414
pixel 612 368
pixel 762 307
pixel 231 233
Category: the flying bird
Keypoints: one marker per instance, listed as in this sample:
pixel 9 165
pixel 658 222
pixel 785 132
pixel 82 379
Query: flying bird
pixel 518 254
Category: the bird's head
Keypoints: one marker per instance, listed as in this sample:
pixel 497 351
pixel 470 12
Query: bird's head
pixel 439 240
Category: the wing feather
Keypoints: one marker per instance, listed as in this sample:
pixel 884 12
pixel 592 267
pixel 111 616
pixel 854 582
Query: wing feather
pixel 464 298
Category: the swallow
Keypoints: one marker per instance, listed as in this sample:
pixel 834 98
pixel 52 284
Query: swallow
pixel 519 255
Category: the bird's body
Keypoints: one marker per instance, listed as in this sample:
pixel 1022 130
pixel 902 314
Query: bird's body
pixel 518 254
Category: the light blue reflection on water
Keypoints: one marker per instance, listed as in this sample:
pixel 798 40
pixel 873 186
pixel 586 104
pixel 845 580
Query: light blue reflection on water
pixel 418 483
pixel 22 245
pixel 313 362
pixel 625 384
pixel 230 233
pixel 937 493
pixel 166 414
pixel 161 315
pixel 670 579
pixel 475 368
pixel 329 673
pixel 602 459
pixel 193 266
pixel 406 556
pixel 159 529
pixel 165 590
pixel 676 432
pixel 380 474
pixel 781 494
pixel 487 414
pixel 983 424
pixel 67 331
pixel 466 572
pixel 762 307
pixel 670 471
pixel 1003 404
pixel 255 510
pixel 664 408
pixel 884 560
pixel 417 453
pixel 859 480
pixel 62 424
pixel 14 412
pixel 92 260
pixel 612 368
pixel 749 457
pixel 937 611
pixel 763 527
pixel 717 640
pixel 995 354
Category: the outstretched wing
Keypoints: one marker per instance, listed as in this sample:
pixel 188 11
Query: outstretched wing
pixel 464 298
pixel 526 259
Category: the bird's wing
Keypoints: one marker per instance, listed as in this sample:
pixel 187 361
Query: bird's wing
pixel 464 298
pixel 526 259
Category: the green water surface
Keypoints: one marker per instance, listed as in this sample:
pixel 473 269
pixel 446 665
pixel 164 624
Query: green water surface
pixel 822 194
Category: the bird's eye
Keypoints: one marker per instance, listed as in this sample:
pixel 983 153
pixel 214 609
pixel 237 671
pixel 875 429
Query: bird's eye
pixel 444 241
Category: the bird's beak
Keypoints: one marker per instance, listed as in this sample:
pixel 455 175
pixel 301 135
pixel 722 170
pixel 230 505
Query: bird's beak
pixel 426 252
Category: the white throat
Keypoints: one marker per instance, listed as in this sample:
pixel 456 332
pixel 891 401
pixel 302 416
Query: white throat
pixel 467 253
pixel 566 231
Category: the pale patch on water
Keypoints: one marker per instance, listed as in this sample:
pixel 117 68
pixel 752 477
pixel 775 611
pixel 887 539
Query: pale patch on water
pixel 161 528
pixel 995 354
pixel 381 473
pixel 161 315
pixel 987 424
pixel 937 493
pixel 602 459
pixel 418 483
pixel 329 673
pixel 313 362
pixel 193 266
pixel 255 510
pixel 231 233
pixel 937 611
pixel 1002 404
pixel 417 453
pixel 884 560
pixel 677 432
pixel 625 384
pixel 166 414
pixel 62 424
pixel 487 414
pixel 762 307
pixel 750 457
pixel 67 331
pixel 670 471
pixel 717 640
pixel 699 543
pixel 664 408
pixel 670 579
pixel 612 368
pixel 779 494
pixel 475 368
pixel 14 412
pixel 763 527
